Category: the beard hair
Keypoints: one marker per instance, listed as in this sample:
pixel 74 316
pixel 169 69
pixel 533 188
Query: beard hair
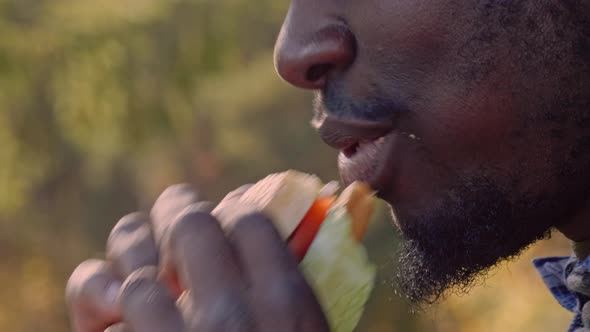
pixel 474 228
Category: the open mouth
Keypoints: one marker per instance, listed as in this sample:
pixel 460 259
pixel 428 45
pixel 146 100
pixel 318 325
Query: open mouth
pixel 367 161
pixel 365 148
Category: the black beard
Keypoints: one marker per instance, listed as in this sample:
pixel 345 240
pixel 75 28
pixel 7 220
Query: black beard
pixel 450 249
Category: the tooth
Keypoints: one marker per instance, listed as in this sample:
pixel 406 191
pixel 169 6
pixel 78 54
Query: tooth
pixel 412 136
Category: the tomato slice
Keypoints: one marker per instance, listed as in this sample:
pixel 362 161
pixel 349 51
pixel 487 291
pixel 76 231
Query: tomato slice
pixel 301 239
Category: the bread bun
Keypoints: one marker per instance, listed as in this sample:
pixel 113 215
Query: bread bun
pixel 285 198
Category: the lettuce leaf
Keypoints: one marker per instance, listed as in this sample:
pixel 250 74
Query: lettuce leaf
pixel 338 269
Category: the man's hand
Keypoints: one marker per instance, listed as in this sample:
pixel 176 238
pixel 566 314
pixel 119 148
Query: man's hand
pixel 180 270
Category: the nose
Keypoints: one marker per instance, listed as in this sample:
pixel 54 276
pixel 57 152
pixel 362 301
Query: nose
pixel 307 53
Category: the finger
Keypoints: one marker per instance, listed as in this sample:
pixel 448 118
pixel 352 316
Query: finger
pixel 207 266
pixel 229 209
pixel 236 194
pixel 281 297
pixel 168 269
pixel 168 205
pixel 121 327
pixel 131 245
pixel 146 304
pixel 91 293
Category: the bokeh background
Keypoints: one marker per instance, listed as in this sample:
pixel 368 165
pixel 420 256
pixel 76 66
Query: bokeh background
pixel 105 103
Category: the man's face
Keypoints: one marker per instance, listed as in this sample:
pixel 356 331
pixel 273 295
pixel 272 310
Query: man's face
pixel 471 118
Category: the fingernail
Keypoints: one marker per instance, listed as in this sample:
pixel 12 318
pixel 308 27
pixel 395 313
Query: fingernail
pixel 112 292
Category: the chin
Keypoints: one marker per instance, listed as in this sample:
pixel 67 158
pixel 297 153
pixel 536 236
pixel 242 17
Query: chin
pixel 449 245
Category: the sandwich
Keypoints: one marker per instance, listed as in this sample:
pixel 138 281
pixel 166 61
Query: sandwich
pixel 324 231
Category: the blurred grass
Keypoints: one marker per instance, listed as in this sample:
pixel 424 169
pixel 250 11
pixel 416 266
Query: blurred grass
pixel 103 104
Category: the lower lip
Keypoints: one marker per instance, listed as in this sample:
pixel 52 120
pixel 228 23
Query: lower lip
pixel 370 163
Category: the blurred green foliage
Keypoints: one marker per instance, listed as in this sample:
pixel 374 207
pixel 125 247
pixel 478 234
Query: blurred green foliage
pixel 105 103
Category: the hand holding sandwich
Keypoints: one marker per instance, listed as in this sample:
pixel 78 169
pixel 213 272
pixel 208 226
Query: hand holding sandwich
pixel 188 268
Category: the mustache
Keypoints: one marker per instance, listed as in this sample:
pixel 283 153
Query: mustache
pixel 377 107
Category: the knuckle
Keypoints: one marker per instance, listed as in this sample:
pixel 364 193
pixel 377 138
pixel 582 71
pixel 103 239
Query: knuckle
pixel 172 201
pixel 192 220
pixel 83 278
pixel 131 244
pixel 180 189
pixel 135 289
pixel 168 205
pixel 135 259
pixel 91 293
pixel 139 287
pixel 130 223
pixel 129 236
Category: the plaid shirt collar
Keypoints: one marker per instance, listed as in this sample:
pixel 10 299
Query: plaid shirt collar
pixel 568 279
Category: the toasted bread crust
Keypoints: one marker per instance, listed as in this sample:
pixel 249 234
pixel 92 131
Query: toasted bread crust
pixel 285 197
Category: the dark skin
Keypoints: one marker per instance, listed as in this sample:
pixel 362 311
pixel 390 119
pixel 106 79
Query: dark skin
pixel 487 108
pixel 240 278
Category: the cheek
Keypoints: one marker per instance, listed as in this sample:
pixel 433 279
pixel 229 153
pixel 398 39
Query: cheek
pixel 481 125
pixel 458 137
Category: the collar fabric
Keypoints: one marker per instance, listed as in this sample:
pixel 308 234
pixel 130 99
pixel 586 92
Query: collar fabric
pixel 568 279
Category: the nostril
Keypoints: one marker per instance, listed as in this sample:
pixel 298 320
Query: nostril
pixel 307 57
pixel 316 72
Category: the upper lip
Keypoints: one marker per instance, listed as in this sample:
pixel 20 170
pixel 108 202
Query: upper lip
pixel 343 134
